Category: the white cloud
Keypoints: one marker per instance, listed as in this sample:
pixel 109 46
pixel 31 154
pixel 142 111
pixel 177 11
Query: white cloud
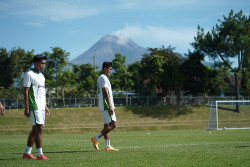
pixel 156 36
pixel 157 4
pixel 49 9
pixel 122 40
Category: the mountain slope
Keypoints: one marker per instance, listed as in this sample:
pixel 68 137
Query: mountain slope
pixel 106 48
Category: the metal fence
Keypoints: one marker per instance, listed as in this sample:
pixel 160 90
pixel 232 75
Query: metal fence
pixel 15 103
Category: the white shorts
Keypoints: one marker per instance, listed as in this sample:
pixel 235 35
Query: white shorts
pixel 37 117
pixel 106 118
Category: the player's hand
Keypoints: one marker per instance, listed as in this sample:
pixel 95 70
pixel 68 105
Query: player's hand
pixel 111 111
pixel 27 112
pixel 2 110
pixel 47 111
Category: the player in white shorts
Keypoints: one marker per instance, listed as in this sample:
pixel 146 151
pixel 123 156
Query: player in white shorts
pixel 106 106
pixel 35 106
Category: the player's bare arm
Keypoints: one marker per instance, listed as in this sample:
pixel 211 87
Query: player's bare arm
pixel 26 101
pixel 106 95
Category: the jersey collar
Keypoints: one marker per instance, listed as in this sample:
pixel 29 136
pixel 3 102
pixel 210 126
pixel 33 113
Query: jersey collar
pixel 105 75
pixel 33 69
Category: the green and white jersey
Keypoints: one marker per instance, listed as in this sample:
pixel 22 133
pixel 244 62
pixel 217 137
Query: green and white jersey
pixel 37 94
pixel 103 82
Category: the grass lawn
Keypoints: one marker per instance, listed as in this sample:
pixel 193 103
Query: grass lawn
pixel 87 120
pixel 146 136
pixel 144 148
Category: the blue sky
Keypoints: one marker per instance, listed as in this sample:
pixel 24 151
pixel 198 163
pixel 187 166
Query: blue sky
pixel 75 25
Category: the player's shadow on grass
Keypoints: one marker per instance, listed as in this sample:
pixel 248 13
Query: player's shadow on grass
pixel 11 159
pixel 161 112
pixel 224 108
pixel 241 146
pixel 60 151
pixel 227 109
pixel 50 152
pixel 67 151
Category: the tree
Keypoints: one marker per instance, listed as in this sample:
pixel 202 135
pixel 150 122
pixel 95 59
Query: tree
pixel 13 64
pixel 56 61
pixel 86 79
pixel 216 83
pixel 161 71
pixel 196 74
pixel 228 40
pixel 121 76
pixel 6 79
pixel 66 79
pixel 245 84
pixel 151 72
pixel 135 70
pixel 172 77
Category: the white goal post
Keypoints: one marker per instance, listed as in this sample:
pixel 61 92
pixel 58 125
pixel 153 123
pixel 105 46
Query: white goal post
pixel 223 115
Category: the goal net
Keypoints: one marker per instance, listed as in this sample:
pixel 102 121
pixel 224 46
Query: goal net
pixel 224 115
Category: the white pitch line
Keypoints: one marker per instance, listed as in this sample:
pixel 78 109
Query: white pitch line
pixel 178 145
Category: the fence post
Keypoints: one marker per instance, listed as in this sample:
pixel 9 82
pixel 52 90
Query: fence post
pixel 75 101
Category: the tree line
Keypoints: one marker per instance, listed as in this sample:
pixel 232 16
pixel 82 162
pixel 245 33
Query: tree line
pixel 161 71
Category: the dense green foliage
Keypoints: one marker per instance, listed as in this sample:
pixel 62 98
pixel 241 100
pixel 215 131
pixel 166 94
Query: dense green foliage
pixel 161 71
pixel 227 40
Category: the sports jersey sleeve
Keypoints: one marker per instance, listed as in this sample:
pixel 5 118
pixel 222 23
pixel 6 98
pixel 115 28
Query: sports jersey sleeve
pixel 27 80
pixel 103 83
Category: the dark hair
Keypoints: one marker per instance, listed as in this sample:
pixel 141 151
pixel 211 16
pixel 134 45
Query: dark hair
pixel 39 57
pixel 107 64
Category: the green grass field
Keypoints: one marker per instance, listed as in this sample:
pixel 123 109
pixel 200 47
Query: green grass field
pixel 87 120
pixel 146 136
pixel 158 148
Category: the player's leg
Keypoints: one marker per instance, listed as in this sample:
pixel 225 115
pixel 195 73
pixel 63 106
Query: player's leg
pixel 30 141
pixel 40 120
pixel 31 138
pixel 95 139
pixel 109 122
pixel 106 133
pixel 38 135
pixel 38 141
pixel 108 126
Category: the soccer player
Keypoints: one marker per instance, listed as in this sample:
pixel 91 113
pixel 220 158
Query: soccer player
pixel 2 109
pixel 35 106
pixel 106 107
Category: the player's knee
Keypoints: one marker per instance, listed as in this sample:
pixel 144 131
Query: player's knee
pixel 114 125
pixel 39 128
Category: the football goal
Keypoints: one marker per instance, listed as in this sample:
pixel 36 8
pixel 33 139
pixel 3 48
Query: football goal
pixel 223 115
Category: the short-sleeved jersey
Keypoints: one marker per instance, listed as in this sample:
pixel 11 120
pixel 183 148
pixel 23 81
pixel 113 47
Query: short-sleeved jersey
pixel 37 94
pixel 103 82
